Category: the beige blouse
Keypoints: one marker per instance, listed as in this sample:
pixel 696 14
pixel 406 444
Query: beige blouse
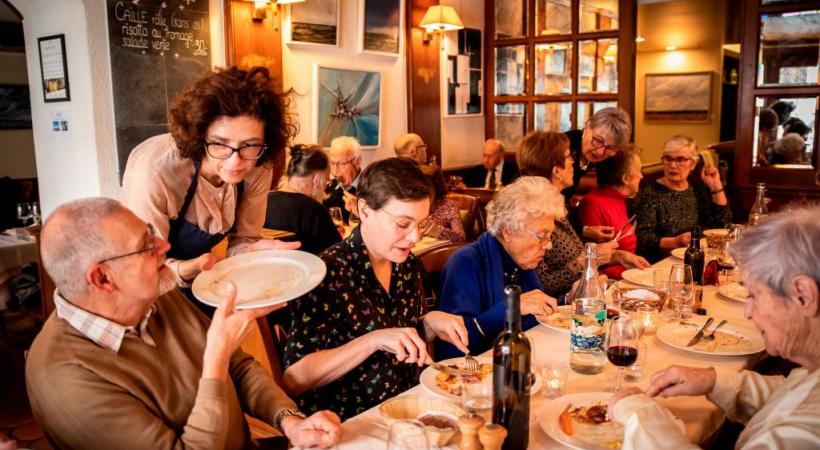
pixel 155 183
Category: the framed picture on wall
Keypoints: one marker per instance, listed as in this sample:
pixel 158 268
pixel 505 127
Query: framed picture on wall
pixel 315 23
pixel 678 97
pixel 464 72
pixel 346 103
pixel 53 68
pixel 380 26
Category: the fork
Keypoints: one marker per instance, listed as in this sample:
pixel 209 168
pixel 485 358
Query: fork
pixel 470 363
pixel 711 337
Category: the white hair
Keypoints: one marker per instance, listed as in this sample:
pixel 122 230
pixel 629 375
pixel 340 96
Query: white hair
pixel 790 146
pixel 526 198
pixel 402 143
pixel 781 247
pixel 71 242
pixel 346 144
pixel 615 121
pixel 678 142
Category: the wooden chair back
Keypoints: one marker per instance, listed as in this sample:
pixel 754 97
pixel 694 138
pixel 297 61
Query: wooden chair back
pixel 470 220
pixel 434 261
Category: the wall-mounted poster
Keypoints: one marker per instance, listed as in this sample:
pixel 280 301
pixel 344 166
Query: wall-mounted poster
pixel 380 26
pixel 347 103
pixel 15 107
pixel 315 22
pixel 464 73
pixel 53 68
pixel 678 97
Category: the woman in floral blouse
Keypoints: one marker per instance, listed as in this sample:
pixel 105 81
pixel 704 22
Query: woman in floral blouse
pixel 359 337
pixel 445 218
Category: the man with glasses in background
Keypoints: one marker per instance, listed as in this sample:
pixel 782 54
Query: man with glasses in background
pixel 127 362
pixel 345 158
pixel 411 146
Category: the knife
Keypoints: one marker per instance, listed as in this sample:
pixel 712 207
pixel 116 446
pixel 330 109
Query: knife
pixel 440 367
pixel 699 336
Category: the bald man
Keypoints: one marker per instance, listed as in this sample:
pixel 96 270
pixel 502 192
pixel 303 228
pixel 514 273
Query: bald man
pixel 494 171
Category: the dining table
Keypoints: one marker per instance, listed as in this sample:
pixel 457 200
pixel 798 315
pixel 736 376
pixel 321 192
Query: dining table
pixel 702 419
pixel 17 248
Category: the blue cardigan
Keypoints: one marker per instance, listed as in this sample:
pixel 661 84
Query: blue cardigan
pixel 472 286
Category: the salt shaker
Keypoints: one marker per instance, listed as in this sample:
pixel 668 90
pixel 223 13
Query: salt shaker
pixel 492 436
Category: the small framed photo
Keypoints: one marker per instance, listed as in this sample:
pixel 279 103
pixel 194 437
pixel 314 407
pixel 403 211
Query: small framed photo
pixel 380 27
pixel 53 68
pixel 315 23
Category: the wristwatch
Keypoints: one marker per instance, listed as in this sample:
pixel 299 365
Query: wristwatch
pixel 285 413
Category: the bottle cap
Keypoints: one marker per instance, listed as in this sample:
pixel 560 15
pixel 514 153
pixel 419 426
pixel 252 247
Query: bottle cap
pixel 701 312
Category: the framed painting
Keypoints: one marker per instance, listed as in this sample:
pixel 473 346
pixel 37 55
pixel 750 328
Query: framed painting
pixel 678 97
pixel 347 103
pixel 380 25
pixel 53 68
pixel 464 72
pixel 315 23
pixel 15 107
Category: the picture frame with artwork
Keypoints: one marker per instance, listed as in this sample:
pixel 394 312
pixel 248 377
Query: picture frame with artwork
pixel 53 68
pixel 314 23
pixel 678 97
pixel 464 73
pixel 346 102
pixel 380 26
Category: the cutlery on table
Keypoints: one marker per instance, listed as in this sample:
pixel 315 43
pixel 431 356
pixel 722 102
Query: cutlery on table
pixel 699 335
pixel 470 366
pixel 624 227
pixel 711 337
pixel 470 363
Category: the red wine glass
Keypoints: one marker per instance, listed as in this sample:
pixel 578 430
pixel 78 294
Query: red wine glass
pixel 622 344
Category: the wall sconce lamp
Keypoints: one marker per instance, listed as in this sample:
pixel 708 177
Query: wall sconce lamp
pixel 439 19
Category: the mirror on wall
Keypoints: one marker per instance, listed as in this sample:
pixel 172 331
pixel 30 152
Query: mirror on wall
pixel 789 49
pixel 784 130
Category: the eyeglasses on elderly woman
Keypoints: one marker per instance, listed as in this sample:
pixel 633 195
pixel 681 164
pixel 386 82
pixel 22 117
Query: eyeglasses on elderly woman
pixel 679 160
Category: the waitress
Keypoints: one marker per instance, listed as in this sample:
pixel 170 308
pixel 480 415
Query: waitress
pixel 209 177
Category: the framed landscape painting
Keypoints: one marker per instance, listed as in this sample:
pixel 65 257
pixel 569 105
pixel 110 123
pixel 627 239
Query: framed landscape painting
pixel 347 103
pixel 315 23
pixel 380 23
pixel 678 97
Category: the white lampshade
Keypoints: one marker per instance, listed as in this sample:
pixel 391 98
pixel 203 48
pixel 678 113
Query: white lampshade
pixel 284 2
pixel 441 18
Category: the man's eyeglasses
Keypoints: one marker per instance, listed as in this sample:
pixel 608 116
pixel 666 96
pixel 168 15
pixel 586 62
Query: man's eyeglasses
pixel 339 164
pixel 543 239
pixel 403 224
pixel 598 142
pixel 149 245
pixel 223 151
pixel 680 160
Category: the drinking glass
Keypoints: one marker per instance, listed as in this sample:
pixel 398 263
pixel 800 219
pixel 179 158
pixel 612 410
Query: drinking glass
pixel 336 215
pixel 554 379
pixel 477 398
pixel 24 212
pixel 634 373
pixel 407 435
pixel 35 212
pixel 612 294
pixel 682 290
pixel 660 284
pixel 622 345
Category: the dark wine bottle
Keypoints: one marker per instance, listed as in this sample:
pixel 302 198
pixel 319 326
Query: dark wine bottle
pixel 511 375
pixel 695 257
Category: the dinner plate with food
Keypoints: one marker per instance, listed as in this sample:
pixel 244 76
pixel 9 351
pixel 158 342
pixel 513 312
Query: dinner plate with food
pixel 448 385
pixel 262 278
pixel 734 291
pixel 729 340
pixel 560 321
pixel 580 421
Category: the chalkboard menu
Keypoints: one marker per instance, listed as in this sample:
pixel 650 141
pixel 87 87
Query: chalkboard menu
pixel 157 48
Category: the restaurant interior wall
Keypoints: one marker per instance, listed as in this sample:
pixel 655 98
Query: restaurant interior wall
pixel 83 161
pixel 696 27
pixel 16 146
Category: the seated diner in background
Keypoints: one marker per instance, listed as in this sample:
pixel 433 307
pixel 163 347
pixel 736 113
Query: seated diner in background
pixel 494 171
pixel 668 208
pixel 444 221
pixel 547 154
pixel 619 178
pixel 411 146
pixel 360 337
pixel 345 156
pixel 520 220
pixel 127 362
pixel 778 264
pixel 210 176
pixel 308 171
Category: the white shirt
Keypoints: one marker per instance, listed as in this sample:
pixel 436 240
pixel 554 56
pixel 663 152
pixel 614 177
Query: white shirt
pixel 498 170
pixel 779 413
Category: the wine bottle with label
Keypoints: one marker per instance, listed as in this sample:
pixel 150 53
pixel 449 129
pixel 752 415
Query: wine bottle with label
pixel 511 374
pixel 696 258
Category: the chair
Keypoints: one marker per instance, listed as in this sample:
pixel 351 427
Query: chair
pixel 470 214
pixel 434 260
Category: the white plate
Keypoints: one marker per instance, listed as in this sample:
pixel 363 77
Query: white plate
pixel 679 252
pixel 734 291
pixel 262 278
pixel 676 335
pixel 639 277
pixel 564 310
pixel 429 374
pixel 548 418
pixel 716 232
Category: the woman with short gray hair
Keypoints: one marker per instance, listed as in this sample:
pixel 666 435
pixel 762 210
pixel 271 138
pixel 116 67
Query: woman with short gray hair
pixel 520 220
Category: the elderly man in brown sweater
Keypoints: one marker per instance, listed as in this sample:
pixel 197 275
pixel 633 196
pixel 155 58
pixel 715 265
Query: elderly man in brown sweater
pixel 126 362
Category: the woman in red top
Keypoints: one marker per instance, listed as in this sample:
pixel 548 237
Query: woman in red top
pixel 618 179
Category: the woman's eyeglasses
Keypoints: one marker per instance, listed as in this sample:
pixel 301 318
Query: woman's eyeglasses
pixel 599 142
pixel 224 151
pixel 405 225
pixel 680 160
pixel 543 239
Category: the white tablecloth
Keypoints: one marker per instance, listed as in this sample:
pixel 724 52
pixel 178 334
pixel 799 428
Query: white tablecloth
pixel 702 418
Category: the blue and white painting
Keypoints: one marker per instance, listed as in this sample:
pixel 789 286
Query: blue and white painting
pixel 348 105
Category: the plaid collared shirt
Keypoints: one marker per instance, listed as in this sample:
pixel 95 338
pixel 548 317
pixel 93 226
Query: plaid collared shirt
pixel 100 330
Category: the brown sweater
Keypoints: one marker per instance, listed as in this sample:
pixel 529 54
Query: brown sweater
pixel 86 396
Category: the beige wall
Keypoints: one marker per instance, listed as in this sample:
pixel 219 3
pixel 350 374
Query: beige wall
pixel 16 146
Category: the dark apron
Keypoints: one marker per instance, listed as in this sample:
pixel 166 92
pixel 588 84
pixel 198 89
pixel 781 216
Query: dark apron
pixel 188 241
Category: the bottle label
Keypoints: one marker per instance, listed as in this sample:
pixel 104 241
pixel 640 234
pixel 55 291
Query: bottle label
pixel 587 331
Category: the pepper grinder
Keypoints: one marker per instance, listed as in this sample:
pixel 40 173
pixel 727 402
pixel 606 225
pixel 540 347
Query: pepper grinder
pixel 469 424
pixel 492 436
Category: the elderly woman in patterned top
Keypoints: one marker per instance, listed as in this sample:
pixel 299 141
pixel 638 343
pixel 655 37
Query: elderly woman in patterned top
pixel 445 218
pixel 668 208
pixel 357 339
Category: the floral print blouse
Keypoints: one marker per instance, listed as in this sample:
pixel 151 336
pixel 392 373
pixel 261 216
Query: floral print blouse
pixel 349 303
pixel 560 267
pixel 448 217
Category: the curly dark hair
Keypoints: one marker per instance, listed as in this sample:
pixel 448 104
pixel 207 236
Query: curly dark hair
pixel 611 171
pixel 399 178
pixel 231 92
pixel 540 151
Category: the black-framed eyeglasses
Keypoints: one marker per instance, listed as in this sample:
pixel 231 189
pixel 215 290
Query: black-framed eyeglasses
pixel 223 151
pixel 149 245
pixel 680 160
pixel 600 142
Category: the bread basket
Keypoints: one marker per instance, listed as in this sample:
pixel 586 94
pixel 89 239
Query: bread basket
pixel 410 407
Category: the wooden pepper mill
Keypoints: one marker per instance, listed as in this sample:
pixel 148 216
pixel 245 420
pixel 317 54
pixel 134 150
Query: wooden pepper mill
pixel 492 436
pixel 469 424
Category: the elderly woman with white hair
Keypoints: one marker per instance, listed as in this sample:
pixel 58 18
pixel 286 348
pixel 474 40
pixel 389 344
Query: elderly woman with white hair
pixel 778 264
pixel 520 220
pixel 668 208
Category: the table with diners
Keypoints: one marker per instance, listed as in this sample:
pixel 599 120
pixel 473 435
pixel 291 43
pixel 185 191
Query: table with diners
pixel 701 417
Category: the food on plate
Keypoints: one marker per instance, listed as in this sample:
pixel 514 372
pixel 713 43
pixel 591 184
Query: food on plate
pixel 561 319
pixel 257 283
pixel 452 383
pixel 438 420
pixel 589 425
pixel 634 299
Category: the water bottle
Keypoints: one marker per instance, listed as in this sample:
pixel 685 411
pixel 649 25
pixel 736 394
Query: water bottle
pixel 587 333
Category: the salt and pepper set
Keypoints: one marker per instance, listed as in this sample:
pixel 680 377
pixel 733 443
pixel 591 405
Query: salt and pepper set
pixel 475 435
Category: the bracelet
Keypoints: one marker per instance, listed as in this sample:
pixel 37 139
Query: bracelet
pixel 717 191
pixel 283 414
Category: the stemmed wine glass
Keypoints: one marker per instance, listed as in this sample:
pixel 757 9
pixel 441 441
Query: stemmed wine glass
pixel 682 290
pixel 35 213
pixel 622 345
pixel 24 212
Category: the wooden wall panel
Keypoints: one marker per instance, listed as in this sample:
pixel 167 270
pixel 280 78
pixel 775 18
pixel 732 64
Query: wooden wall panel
pixel 423 75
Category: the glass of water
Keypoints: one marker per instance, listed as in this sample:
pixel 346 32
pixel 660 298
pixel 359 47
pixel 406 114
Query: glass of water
pixel 682 290
pixel 477 398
